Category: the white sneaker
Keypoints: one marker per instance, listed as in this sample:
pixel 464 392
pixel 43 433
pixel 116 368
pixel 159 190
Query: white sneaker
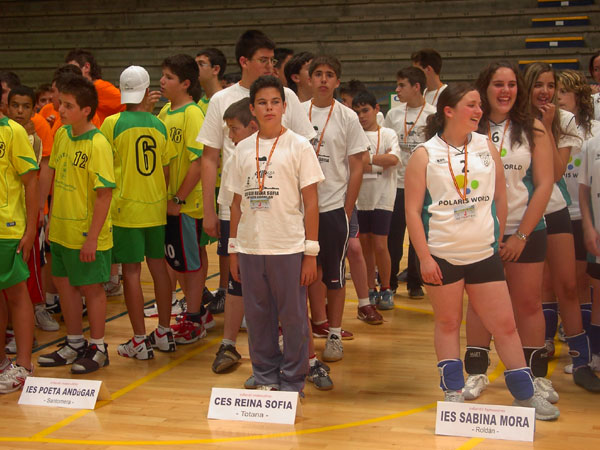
pixel 152 310
pixel 113 289
pixel 13 379
pixel 43 319
pixel 475 385
pixel 11 343
pixel 334 350
pixel 568 369
pixel 454 396
pixel 544 387
pixel 595 363
pixel 5 364
pixel 165 343
pixel 141 350
pixel 544 410
pixel 549 344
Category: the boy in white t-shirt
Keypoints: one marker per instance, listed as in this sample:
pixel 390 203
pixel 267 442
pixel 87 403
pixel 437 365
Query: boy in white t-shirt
pixel 376 197
pixel 339 146
pixel 408 121
pixel 274 227
pixel 430 62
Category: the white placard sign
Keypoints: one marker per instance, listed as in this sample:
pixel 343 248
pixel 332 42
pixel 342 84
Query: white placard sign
pixel 63 392
pixel 485 421
pixel 254 405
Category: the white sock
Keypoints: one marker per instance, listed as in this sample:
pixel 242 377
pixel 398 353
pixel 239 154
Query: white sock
pixel 99 343
pixel 163 330
pixel 51 299
pixel 76 340
pixel 363 302
pixel 320 323
pixel 173 296
pixel 336 331
pixel 312 361
pixel 138 338
pixel 228 342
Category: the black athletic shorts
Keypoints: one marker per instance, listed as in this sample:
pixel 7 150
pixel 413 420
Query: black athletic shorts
pixel 333 240
pixel 535 248
pixel 580 251
pixel 223 238
pixel 234 287
pixel 376 221
pixel 485 271
pixel 559 222
pixel 182 243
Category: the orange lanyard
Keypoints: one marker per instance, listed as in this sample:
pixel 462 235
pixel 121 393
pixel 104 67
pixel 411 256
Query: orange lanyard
pixel 462 194
pixel 261 180
pixel 437 91
pixel 326 122
pixel 407 132
pixel 503 134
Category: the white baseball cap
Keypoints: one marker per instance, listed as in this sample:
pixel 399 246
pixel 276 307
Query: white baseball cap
pixel 134 82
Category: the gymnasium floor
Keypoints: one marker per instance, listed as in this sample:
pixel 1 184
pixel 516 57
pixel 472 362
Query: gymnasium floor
pixel 385 394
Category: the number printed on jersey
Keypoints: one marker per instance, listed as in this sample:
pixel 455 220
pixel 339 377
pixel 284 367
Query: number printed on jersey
pixel 145 155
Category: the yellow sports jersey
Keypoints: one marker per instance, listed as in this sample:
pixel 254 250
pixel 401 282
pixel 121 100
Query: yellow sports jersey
pixel 203 104
pixel 140 151
pixel 16 159
pixel 183 125
pixel 82 164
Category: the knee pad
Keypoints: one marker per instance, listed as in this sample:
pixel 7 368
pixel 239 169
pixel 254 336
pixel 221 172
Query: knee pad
pixel 579 349
pixel 551 315
pixel 519 382
pixel 586 316
pixel 477 360
pixel 537 360
pixel 594 337
pixel 451 374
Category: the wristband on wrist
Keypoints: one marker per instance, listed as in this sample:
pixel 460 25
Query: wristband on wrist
pixel 521 236
pixel 371 158
pixel 311 248
pixel 232 245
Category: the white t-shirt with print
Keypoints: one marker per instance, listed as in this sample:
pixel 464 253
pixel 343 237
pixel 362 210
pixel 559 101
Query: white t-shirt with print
pixel 343 137
pixel 272 221
pixel 433 96
pixel 378 190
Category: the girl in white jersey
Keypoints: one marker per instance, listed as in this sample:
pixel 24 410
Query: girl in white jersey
pixel 559 278
pixel 525 152
pixel 455 210
pixel 594 68
pixel 574 96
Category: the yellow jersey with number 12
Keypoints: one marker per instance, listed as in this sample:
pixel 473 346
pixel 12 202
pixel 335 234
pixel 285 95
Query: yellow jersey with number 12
pixel 82 164
pixel 140 151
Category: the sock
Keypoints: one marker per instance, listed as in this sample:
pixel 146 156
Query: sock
pixel 30 370
pixel 312 360
pixel 579 349
pixel 586 316
pixel 551 315
pixel 519 382
pixel 363 302
pixel 228 342
pixel 76 340
pixel 51 299
pixel 594 337
pixel 114 279
pixel 195 317
pixel 99 343
pixel 320 322
pixel 138 339
pixel 451 374
pixel 537 360
pixel 162 330
pixel 337 331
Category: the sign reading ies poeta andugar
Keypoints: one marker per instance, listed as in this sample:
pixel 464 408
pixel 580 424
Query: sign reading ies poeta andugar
pixel 62 392
pixel 485 421
pixel 254 406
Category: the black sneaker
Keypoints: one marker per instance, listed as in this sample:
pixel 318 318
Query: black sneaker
pixel 92 360
pixel 227 356
pixel 207 296
pixel 586 378
pixel 402 276
pixel 319 376
pixel 54 308
pixel 416 293
pixel 217 306
pixel 66 354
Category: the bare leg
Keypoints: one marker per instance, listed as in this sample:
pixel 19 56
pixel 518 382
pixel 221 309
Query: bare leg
pixel 71 305
pixel 22 319
pixel 358 268
pixel 95 299
pixel 369 257
pixel 134 297
pixel 162 289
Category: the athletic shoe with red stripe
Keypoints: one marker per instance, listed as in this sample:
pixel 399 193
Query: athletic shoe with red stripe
pixel 188 332
pixel 322 331
pixel 13 378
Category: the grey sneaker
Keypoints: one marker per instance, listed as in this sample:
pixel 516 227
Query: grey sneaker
pixel 227 356
pixel 544 410
pixel 454 396
pixel 475 385
pixel 250 383
pixel 334 350
pixel 43 319
pixel 543 386
pixel 66 354
pixel 92 360
pixel 387 300
pixel 319 377
pixel 113 289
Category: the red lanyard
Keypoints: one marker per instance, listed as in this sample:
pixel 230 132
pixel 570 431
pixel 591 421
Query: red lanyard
pixel 326 122
pixel 462 194
pixel 407 133
pixel 261 180
pixel 503 134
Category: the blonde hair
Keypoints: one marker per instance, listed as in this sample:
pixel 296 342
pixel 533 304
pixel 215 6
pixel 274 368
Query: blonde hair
pixel 574 81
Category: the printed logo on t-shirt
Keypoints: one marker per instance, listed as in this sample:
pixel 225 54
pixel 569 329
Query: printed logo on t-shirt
pixel 485 158
pixel 11 224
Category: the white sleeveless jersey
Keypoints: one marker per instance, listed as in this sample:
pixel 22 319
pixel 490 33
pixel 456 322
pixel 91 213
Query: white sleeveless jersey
pixel 572 173
pixel 589 175
pixel 596 100
pixel 560 197
pixel 516 160
pixel 461 232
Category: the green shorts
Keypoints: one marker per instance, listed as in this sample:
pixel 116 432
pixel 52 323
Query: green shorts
pixel 131 245
pixel 13 269
pixel 66 263
pixel 205 239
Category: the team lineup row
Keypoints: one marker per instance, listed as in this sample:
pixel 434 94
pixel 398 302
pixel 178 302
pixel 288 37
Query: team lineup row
pixel 485 197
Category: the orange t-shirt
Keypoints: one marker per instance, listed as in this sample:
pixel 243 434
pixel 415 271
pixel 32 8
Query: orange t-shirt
pixel 43 130
pixel 48 110
pixel 109 100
